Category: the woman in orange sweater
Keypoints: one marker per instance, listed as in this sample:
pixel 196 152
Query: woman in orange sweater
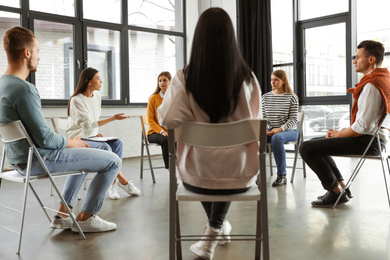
pixel 156 133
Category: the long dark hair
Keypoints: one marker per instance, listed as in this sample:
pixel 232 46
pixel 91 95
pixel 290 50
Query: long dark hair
pixel 85 77
pixel 216 70
pixel 166 74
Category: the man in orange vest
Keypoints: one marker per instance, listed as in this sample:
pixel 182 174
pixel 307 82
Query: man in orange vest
pixel 371 103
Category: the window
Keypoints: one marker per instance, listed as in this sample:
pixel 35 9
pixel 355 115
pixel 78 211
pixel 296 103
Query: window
pixel 313 9
pixel 7 20
pixel 129 46
pixel 50 78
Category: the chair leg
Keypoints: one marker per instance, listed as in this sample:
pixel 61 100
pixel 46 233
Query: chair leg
pixel 178 234
pixel 142 158
pixel 384 176
pixel 304 168
pixel 150 163
pixel 23 214
pixel 295 164
pixel 39 201
pixel 270 158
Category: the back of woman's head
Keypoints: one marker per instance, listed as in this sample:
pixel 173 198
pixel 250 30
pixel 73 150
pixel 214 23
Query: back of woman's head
pixel 85 77
pixel 216 70
pixel 283 76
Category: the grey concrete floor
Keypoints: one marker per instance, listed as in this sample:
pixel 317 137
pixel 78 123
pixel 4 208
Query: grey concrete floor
pixel 357 230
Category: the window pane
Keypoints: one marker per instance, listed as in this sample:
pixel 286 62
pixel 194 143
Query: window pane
pixel 7 21
pixel 55 65
pixel 150 54
pixel 159 14
pixel 282 31
pixel 103 10
pixel 319 119
pixel 104 55
pixel 374 29
pixel 61 7
pixel 317 8
pixel 325 62
pixel 386 62
pixel 11 3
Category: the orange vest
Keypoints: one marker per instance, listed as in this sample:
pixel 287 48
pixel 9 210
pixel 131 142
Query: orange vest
pixel 380 78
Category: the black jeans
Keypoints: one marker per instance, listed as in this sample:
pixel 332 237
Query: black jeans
pixel 163 142
pixel 216 211
pixel 317 154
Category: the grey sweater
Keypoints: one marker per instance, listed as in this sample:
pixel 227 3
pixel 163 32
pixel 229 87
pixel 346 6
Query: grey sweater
pixel 20 100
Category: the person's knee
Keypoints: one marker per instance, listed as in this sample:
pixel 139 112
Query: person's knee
pixel 303 148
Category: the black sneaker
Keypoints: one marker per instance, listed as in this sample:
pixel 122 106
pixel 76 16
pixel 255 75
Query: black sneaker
pixel 280 181
pixel 347 191
pixel 328 200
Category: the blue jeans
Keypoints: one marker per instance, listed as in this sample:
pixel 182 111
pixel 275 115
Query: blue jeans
pixel 115 146
pixel 277 141
pixel 105 163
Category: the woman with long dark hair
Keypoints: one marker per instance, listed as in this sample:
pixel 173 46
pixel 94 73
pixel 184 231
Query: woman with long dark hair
pixel 84 110
pixel 157 133
pixel 217 86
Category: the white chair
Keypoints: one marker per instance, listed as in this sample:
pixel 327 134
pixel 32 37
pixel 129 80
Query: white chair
pixel 209 136
pixel 145 145
pixel 383 156
pixel 13 132
pixel 59 126
pixel 301 117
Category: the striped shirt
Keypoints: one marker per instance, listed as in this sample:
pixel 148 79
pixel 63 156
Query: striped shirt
pixel 281 110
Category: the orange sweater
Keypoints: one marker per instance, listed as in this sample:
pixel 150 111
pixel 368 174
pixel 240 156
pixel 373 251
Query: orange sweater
pixel 154 102
pixel 380 78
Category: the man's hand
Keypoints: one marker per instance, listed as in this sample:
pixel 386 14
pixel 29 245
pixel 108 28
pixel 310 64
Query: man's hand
pixel 332 133
pixel 76 142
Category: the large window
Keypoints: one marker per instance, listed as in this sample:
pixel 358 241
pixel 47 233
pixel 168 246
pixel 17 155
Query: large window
pixel 129 41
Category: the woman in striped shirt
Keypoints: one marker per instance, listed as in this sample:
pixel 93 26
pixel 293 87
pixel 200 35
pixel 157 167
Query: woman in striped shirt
pixel 280 108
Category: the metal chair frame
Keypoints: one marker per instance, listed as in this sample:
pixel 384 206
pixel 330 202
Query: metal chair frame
pixel 145 146
pixel 383 156
pixel 209 135
pixel 15 131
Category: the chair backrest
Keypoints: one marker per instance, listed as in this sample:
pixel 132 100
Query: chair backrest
pixel 301 118
pixel 60 125
pixel 13 131
pixel 144 121
pixel 222 135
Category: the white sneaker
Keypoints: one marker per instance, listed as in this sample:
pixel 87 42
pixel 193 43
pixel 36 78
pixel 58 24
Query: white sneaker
pixel 205 249
pixel 226 229
pixel 130 188
pixel 113 192
pixel 61 223
pixel 94 224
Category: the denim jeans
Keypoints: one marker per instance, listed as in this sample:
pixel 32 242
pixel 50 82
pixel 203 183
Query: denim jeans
pixel 105 163
pixel 277 141
pixel 115 146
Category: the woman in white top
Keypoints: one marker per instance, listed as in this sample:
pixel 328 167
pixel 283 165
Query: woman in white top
pixel 84 109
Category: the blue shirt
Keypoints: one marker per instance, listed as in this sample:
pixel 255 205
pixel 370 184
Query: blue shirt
pixel 20 100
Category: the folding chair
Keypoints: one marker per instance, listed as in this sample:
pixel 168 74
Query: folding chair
pixel 209 136
pixel 385 123
pixel 145 145
pixel 15 131
pixel 60 125
pixel 301 117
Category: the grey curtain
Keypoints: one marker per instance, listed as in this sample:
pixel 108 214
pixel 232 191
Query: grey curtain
pixel 254 37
